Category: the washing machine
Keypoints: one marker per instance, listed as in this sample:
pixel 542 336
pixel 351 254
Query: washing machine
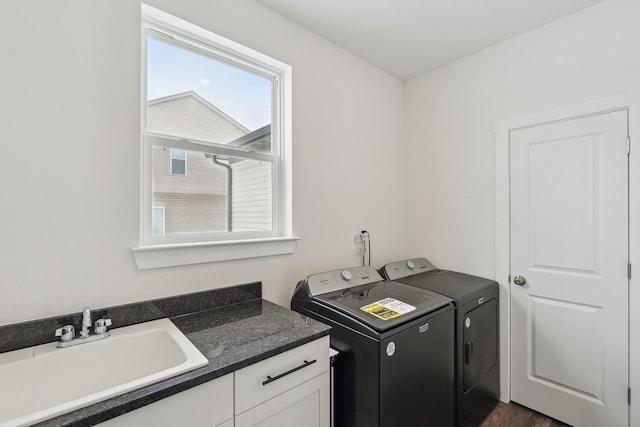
pixel 476 301
pixel 396 347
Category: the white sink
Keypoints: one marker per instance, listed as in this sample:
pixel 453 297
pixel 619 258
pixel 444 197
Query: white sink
pixel 41 382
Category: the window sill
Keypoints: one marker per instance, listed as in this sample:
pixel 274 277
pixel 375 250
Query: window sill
pixel 158 256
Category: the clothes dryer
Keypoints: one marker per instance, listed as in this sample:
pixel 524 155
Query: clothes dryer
pixel 476 301
pixel 396 347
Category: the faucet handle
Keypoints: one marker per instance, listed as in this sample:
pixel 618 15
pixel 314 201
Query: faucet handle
pixel 66 333
pixel 101 325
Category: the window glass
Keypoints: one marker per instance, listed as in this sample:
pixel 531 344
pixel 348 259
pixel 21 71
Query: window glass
pixel 194 95
pixel 221 194
pixel 216 135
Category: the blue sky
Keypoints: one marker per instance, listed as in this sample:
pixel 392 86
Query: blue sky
pixel 244 96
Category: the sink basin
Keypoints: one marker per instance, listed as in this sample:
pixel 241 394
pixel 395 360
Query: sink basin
pixel 41 382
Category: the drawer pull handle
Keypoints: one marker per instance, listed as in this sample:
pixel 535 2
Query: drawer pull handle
pixel 297 368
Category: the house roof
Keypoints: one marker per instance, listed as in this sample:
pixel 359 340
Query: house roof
pixel 191 94
pixel 258 140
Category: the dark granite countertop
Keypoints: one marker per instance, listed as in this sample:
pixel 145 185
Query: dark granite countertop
pixel 232 336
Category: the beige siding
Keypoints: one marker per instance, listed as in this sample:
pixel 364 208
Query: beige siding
pixel 195 202
pixel 188 213
pixel 203 176
pixel 191 117
pixel 251 202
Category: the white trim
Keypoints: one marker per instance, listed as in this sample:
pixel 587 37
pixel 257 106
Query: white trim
pixel 283 113
pixel 631 103
pixel 157 256
pixel 222 47
pixel 152 138
pixel 503 258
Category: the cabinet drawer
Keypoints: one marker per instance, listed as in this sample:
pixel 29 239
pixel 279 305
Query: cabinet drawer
pixel 275 375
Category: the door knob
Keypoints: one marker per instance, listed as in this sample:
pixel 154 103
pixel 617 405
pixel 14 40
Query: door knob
pixel 519 280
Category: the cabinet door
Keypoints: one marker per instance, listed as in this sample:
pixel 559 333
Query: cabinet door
pixel 209 404
pixel 305 405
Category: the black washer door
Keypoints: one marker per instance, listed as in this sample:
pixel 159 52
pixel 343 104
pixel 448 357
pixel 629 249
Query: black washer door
pixel 416 374
pixel 480 343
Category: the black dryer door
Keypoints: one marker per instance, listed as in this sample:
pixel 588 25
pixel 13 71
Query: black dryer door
pixel 480 342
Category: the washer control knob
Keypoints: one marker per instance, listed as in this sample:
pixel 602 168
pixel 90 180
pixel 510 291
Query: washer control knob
pixel 346 275
pixel 411 265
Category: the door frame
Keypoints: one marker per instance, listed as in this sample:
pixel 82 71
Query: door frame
pixel 630 102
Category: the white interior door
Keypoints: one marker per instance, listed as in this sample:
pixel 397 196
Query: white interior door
pixel 569 269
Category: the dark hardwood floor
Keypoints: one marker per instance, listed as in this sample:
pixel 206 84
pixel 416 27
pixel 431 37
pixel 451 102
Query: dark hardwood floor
pixel 514 415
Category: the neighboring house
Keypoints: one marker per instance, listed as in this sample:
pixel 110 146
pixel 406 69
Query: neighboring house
pixel 251 185
pixel 190 189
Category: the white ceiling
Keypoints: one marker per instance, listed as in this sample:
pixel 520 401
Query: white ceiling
pixel 409 37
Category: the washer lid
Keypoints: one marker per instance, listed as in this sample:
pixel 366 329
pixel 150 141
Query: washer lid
pixel 460 287
pixel 383 305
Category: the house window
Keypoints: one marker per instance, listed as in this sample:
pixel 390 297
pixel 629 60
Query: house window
pixel 157 221
pixel 178 162
pixel 223 110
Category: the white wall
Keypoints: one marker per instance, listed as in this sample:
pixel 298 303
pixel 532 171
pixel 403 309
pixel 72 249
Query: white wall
pixel 450 114
pixel 70 162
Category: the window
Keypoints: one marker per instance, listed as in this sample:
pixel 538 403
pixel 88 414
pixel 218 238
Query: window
pixel 157 220
pixel 223 111
pixel 178 162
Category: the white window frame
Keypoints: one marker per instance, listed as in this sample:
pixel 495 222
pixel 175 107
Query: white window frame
pixel 164 251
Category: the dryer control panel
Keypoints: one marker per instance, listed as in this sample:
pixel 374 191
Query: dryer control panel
pixel 407 267
pixel 345 278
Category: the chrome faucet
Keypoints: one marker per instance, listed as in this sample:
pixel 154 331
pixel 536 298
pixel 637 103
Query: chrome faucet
pixel 86 322
pixel 67 332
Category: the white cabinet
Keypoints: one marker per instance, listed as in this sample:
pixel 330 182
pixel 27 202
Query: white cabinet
pixel 209 404
pixel 289 389
pixel 306 405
